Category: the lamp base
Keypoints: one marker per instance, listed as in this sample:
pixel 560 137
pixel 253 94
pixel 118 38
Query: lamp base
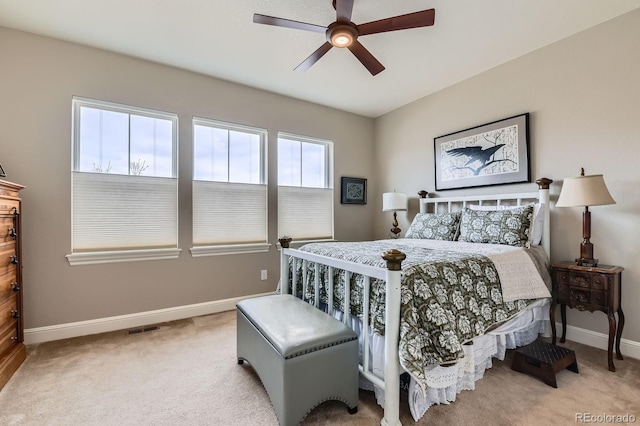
pixel 395 230
pixel 582 261
pixel 586 251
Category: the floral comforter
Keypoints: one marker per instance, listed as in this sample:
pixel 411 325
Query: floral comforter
pixel 448 297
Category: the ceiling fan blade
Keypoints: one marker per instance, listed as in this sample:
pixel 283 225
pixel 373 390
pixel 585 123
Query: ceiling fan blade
pixel 314 57
pixel 344 8
pixel 424 18
pixel 281 22
pixel 368 60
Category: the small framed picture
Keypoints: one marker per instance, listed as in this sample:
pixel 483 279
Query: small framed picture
pixel 353 190
pixel 2 173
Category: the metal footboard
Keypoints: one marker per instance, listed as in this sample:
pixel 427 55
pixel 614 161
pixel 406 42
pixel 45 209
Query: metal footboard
pixel 391 276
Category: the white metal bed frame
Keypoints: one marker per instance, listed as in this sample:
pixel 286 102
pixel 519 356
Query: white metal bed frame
pixel 392 277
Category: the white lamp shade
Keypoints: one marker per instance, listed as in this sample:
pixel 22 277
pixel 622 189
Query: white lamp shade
pixel 394 201
pixel 584 191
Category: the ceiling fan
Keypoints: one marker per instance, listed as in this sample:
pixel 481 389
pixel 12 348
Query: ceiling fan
pixel 344 33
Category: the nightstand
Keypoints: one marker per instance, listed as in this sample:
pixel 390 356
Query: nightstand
pixel 588 288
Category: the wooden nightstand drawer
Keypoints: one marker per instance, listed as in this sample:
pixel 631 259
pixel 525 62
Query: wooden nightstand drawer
pixel 599 282
pixel 580 299
pixel 588 280
pixel 563 294
pixel 580 280
pixel 562 277
pixel 583 299
pixel 599 299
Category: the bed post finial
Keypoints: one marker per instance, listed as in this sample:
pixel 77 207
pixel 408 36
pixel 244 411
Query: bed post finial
pixel 423 193
pixel 543 197
pixel 543 183
pixel 394 258
pixel 284 241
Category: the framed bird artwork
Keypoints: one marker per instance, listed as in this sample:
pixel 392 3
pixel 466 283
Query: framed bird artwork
pixel 495 153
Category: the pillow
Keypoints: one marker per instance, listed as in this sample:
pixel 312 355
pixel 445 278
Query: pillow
pixel 535 235
pixel 537 225
pixel 434 226
pixel 507 226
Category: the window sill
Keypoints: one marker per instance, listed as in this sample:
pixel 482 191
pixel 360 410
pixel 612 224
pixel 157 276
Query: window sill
pixel 115 256
pixel 220 250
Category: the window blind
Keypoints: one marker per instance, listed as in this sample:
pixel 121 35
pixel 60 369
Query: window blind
pixel 305 213
pixel 113 211
pixel 225 213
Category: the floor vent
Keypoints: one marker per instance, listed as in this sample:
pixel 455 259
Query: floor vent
pixel 142 329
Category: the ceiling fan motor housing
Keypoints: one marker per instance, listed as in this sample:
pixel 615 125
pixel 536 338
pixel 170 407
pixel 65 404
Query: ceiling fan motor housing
pixel 342 34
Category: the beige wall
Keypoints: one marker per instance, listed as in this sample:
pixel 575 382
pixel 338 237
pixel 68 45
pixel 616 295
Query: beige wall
pixel 583 94
pixel 39 76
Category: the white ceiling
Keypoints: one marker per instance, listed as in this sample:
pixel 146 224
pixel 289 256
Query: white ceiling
pixel 218 38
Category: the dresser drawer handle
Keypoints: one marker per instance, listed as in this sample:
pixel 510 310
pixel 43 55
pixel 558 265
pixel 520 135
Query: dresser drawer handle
pixel 14 338
pixel 15 286
pixel 15 314
pixel 14 260
pixel 12 233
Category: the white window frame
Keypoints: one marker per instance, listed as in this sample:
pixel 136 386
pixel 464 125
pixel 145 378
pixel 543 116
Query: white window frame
pixel 201 250
pixel 80 257
pixel 329 179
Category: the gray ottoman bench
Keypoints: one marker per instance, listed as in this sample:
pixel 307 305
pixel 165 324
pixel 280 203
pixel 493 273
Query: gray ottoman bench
pixel 303 356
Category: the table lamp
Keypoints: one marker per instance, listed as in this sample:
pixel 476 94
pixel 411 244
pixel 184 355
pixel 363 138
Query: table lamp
pixel 585 191
pixel 394 201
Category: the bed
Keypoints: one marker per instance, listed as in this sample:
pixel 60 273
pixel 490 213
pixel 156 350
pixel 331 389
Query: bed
pixel 439 304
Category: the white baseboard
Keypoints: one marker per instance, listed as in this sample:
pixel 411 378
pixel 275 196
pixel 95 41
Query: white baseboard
pixel 123 322
pixel 599 340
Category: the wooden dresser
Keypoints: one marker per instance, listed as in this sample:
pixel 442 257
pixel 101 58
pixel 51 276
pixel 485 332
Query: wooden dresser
pixel 12 349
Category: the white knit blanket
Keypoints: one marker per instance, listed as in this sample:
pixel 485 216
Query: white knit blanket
pixel 519 276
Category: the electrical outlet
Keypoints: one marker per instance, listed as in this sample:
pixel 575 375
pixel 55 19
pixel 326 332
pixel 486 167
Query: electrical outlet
pixel 263 274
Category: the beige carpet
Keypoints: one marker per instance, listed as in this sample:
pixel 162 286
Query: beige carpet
pixel 186 373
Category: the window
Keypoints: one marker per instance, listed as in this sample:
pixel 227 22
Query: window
pixel 305 189
pixel 229 188
pixel 124 186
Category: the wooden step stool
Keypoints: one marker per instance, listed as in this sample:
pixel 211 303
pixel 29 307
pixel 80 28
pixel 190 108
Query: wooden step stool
pixel 544 360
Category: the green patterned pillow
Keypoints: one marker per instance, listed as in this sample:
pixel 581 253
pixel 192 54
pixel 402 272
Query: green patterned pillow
pixel 510 227
pixel 432 226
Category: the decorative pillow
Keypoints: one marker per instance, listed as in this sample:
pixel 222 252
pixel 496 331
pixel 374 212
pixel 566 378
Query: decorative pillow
pixel 508 226
pixel 537 224
pixel 434 226
pixel 535 235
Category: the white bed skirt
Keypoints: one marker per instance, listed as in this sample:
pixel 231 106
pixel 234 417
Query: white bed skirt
pixel 445 383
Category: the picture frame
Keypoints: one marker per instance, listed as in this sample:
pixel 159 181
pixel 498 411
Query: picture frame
pixel 2 172
pixel 495 153
pixel 353 190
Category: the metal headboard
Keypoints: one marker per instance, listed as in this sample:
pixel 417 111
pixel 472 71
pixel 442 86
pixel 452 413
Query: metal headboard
pixel 457 203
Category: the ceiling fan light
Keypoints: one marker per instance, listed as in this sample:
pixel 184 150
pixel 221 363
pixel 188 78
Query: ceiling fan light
pixel 341 34
pixel 341 38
